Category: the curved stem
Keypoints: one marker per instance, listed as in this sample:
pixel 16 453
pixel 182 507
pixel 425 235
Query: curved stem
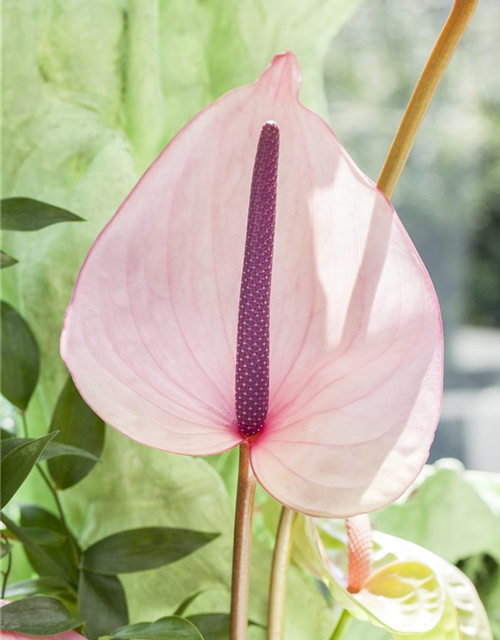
pixel 6 573
pixel 242 545
pixel 279 574
pixel 42 555
pixel 53 491
pixel 344 621
pixel 443 51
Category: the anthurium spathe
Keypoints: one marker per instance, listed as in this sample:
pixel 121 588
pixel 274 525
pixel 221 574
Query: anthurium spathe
pixel 335 316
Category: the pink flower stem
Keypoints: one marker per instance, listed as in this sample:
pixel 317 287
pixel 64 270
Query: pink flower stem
pixel 449 38
pixel 245 499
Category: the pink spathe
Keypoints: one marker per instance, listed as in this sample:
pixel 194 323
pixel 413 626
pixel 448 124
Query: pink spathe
pixel 356 350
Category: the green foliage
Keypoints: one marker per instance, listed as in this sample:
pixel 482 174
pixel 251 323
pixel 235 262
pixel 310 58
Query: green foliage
pixel 79 427
pixel 169 628
pixel 26 214
pixel 20 360
pixel 36 586
pixel 6 260
pixel 38 616
pixel 101 603
pixel 213 626
pixel 17 463
pixel 142 549
pixel 66 557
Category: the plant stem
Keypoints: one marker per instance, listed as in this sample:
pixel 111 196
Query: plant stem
pixel 442 53
pixel 53 491
pixel 279 574
pixel 35 548
pixel 242 545
pixel 344 621
pixel 5 574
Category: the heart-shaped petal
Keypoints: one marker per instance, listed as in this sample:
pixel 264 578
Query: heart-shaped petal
pixel 355 333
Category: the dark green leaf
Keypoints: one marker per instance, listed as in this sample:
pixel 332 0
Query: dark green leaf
pixel 9 444
pixel 37 586
pixel 37 616
pixel 5 434
pixel 213 626
pixel 53 450
pixel 6 260
pixel 79 427
pixel 65 556
pixel 5 548
pixel 17 464
pixel 169 628
pixel 101 604
pixel 19 358
pixel 26 214
pixel 44 561
pixel 141 549
pixel 58 449
pixel 45 537
pixel 184 605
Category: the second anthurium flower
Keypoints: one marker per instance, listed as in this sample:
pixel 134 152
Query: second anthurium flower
pixel 326 354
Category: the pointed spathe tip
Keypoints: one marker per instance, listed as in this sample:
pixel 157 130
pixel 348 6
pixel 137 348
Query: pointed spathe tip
pixel 284 69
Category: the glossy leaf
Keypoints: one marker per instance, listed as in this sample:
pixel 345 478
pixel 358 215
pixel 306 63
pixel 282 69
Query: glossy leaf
pixel 53 449
pixel 446 629
pixel 466 604
pixel 79 427
pixel 17 464
pixel 63 556
pixel 42 561
pixel 20 360
pixel 26 214
pixel 445 501
pixel 141 549
pixel 37 616
pixel 58 450
pixel 213 626
pixel 168 628
pixel 409 588
pixel 45 537
pixel 101 604
pixel 6 260
pixel 35 586
pixel 405 597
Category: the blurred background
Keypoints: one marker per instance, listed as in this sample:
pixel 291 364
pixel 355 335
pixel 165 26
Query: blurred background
pixel 449 194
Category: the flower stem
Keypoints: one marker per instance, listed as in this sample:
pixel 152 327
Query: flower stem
pixel 344 621
pixel 53 491
pixel 279 574
pixel 436 65
pixel 242 545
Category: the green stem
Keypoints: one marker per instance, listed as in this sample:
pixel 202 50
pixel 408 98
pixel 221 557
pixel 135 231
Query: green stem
pixel 31 545
pixel 6 573
pixel 242 545
pixel 343 623
pixel 74 549
pixel 279 574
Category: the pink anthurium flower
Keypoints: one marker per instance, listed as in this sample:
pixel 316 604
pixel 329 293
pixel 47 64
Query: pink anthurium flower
pixel 331 367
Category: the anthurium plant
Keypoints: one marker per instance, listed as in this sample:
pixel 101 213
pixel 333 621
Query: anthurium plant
pixel 254 291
